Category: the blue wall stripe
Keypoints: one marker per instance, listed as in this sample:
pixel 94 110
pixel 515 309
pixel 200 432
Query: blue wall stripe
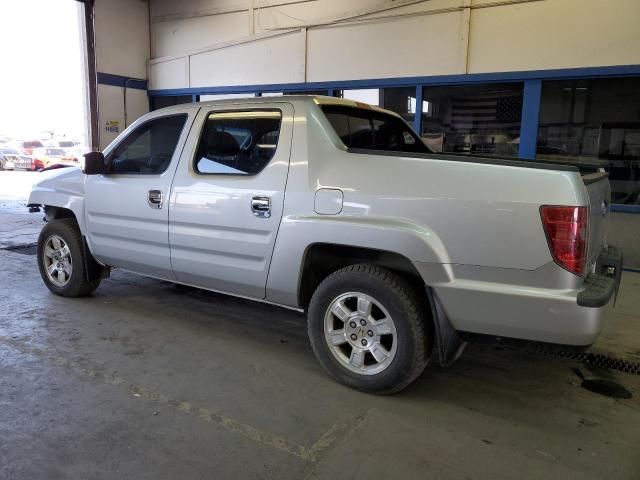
pixel 530 117
pixel 589 72
pixel 121 81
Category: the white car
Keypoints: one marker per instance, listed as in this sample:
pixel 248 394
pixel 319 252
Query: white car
pixel 11 159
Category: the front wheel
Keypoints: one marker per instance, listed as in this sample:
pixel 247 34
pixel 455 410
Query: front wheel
pixel 368 329
pixel 61 259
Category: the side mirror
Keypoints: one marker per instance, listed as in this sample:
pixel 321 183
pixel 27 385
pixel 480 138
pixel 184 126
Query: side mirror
pixel 94 163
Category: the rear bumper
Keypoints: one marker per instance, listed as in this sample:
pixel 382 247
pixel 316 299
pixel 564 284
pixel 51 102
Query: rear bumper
pixel 560 316
pixel 603 284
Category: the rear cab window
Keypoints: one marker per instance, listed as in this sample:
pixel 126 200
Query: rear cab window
pixel 368 129
pixel 238 142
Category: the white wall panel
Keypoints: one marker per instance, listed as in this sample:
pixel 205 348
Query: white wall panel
pixel 555 34
pixel 169 74
pixel 277 59
pixel 112 109
pixel 403 38
pixel 301 14
pixel 179 36
pixel 164 8
pixel 122 37
pixel 408 46
pixel 137 104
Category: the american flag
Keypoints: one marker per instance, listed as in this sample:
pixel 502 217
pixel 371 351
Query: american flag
pixel 491 112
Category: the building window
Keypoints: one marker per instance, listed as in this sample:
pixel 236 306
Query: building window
pixel 307 92
pixel 586 120
pixel 169 101
pixel 479 119
pixel 225 96
pixel 401 100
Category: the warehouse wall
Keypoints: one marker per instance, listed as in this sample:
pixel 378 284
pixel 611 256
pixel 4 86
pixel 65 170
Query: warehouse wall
pixel 122 48
pixel 198 43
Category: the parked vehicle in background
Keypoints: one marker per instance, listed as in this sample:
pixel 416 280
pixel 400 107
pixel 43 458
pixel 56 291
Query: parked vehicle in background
pixel 71 148
pixel 77 152
pixel 11 159
pixel 66 143
pixel 338 209
pixel 7 158
pixel 27 146
pixel 45 157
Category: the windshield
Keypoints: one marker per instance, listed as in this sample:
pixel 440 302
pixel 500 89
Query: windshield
pixel 372 130
pixel 35 144
pixel 65 144
pixel 55 151
pixel 8 151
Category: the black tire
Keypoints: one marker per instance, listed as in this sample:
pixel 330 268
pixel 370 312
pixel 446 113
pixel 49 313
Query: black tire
pixel 77 285
pixel 408 310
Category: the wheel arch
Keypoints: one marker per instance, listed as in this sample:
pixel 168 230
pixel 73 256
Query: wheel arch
pixel 320 259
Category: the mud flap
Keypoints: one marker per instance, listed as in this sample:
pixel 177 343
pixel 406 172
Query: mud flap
pixel 94 270
pixel 449 345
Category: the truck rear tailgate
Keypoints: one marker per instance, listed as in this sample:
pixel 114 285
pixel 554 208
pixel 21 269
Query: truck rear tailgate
pixel 599 190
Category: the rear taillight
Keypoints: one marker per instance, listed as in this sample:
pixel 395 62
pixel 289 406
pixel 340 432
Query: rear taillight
pixel 567 229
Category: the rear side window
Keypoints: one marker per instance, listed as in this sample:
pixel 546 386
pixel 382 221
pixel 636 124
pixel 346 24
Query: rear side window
pixel 149 148
pixel 238 142
pixel 371 130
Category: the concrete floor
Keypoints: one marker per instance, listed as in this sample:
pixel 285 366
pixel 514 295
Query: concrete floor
pixel 146 380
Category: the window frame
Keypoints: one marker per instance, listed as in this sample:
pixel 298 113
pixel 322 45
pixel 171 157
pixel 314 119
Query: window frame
pixel 110 156
pixel 194 159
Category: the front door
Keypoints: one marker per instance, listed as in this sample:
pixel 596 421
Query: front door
pixel 127 209
pixel 228 195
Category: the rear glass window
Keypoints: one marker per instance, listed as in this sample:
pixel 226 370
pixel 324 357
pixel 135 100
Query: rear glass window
pixel 238 142
pixel 372 130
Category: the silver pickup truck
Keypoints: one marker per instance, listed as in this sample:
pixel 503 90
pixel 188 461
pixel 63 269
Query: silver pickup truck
pixel 338 209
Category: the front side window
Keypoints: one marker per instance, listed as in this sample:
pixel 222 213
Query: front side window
pixel 364 128
pixel 239 143
pixel 149 148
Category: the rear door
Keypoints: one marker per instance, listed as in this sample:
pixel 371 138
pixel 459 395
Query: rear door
pixel 227 197
pixel 127 209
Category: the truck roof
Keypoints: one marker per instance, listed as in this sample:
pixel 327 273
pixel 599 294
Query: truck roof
pixel 317 99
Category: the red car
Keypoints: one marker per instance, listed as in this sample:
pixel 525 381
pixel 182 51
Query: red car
pixel 45 157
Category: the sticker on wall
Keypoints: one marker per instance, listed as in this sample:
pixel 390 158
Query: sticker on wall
pixel 112 126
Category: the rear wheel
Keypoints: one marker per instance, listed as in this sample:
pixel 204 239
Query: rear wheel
pixel 61 259
pixel 367 327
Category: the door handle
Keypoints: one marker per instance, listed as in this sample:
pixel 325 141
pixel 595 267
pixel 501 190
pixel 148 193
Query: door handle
pixel 261 206
pixel 154 198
